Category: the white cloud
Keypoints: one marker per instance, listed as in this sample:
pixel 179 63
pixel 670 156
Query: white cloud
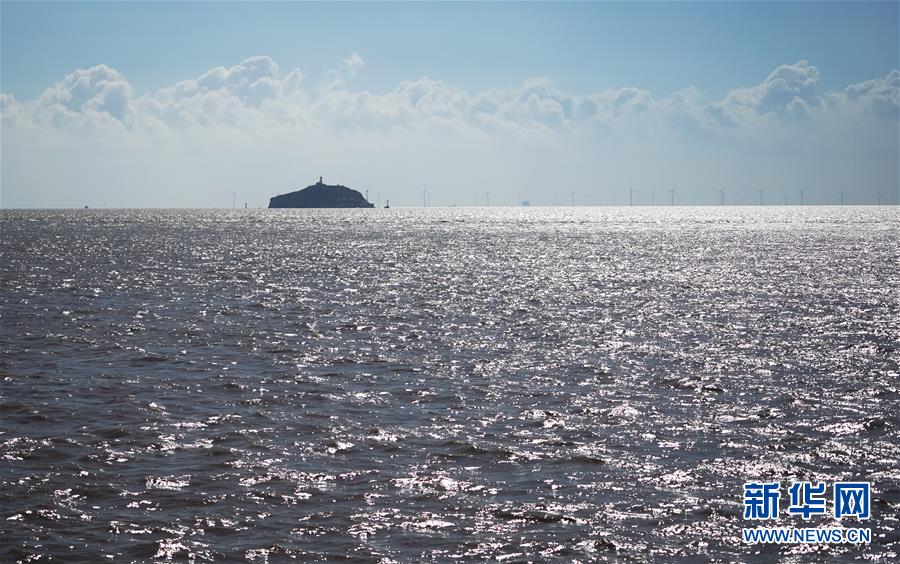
pixel 348 68
pixel 790 91
pixel 255 94
pixel 880 96
pixel 240 116
pixel 85 98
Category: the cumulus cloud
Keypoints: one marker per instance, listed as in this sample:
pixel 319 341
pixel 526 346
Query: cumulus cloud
pixel 880 96
pixel 260 112
pixel 7 101
pixel 348 68
pixel 254 93
pixel 789 91
pixel 84 96
pixel 221 96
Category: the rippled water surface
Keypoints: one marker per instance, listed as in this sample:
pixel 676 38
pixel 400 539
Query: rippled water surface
pixel 568 383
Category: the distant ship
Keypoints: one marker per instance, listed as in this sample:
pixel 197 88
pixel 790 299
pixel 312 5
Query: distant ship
pixel 321 195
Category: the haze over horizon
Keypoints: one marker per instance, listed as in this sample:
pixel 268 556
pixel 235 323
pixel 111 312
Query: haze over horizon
pixel 183 105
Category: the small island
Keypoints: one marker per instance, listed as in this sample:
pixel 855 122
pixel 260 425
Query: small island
pixel 321 195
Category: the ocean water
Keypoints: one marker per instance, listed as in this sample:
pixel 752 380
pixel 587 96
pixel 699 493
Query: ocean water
pixel 504 383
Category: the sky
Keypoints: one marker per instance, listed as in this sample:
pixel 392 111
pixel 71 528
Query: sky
pixel 170 104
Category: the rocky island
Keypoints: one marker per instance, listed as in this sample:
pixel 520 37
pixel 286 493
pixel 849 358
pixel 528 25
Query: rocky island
pixel 321 195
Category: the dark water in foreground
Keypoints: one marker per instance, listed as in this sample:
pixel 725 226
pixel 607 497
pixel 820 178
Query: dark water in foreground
pixel 567 383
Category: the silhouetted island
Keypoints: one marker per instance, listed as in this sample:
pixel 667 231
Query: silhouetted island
pixel 321 195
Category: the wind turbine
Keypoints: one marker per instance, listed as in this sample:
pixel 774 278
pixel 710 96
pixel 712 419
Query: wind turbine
pixel 801 197
pixel 761 197
pixel 721 196
pixel 426 196
pixel 631 192
pixel 652 198
pixel 879 197
pixel 672 193
pixel 842 197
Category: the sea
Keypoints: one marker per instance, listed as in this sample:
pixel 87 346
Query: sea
pixel 443 384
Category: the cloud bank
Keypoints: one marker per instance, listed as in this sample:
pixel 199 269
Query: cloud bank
pixel 254 129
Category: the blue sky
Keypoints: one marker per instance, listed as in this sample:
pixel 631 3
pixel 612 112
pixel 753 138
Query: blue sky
pixel 662 47
pixel 710 61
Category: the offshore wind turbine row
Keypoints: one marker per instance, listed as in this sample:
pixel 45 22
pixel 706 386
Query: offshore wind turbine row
pixel 673 192
pixel 723 197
